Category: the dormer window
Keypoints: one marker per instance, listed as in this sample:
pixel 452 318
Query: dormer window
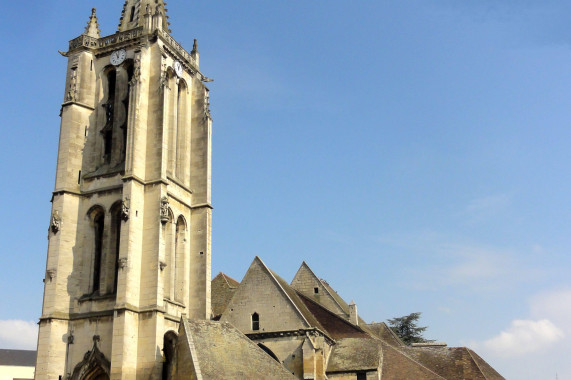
pixel 255 322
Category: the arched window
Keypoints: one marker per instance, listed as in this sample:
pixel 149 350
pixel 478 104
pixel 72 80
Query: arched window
pixel 182 132
pixel 171 100
pixel 109 106
pixel 168 275
pixel 255 322
pixel 180 240
pixel 115 242
pixel 97 222
pixel 130 69
pixel 132 16
pixel 116 108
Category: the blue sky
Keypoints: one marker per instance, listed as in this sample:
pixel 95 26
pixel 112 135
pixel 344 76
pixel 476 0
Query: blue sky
pixel 414 153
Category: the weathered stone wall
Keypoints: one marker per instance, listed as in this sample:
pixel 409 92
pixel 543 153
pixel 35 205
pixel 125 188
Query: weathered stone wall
pixel 306 282
pixel 259 293
pixel 132 320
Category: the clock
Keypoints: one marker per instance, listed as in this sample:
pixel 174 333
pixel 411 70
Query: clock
pixel 118 56
pixel 178 68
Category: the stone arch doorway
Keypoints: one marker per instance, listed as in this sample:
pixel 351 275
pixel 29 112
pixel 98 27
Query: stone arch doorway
pixel 98 374
pixel 169 351
pixel 94 365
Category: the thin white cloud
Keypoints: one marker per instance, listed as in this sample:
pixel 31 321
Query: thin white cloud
pixel 488 203
pixel 555 305
pixel 16 334
pixel 453 261
pixel 479 268
pixel 486 207
pixel 523 337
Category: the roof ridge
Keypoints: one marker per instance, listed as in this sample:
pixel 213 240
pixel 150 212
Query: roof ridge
pixel 357 327
pixel 411 359
pixel 192 348
pixel 226 278
pixel 394 334
pixel 477 358
pixel 273 276
pixel 324 283
pixel 475 362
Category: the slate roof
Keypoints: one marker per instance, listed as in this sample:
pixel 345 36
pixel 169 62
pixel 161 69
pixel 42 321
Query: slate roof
pixel 453 362
pixel 398 366
pixel 331 292
pixel 355 354
pixel 335 326
pixel 384 332
pixel 18 358
pixel 218 351
pixel 292 295
pixel 223 288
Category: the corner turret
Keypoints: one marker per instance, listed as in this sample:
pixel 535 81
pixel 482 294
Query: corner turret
pixel 92 28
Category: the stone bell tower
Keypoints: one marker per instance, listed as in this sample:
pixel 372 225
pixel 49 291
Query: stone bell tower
pixel 129 237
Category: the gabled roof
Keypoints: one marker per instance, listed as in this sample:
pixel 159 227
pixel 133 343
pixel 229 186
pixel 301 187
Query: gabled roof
pixel 357 354
pixel 335 326
pixel 223 288
pixel 330 293
pixel 444 361
pixel 354 354
pixel 397 365
pixel 18 358
pixel 296 283
pixel 293 297
pixel 209 350
pixel 384 332
pixel 230 282
pixel 243 300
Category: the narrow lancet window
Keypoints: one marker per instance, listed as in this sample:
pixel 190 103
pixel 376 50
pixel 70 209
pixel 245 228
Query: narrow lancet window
pixel 107 130
pixel 115 244
pixel 255 322
pixel 182 142
pixel 179 281
pixel 98 225
pixel 169 253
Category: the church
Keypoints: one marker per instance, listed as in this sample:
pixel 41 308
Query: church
pixel 128 290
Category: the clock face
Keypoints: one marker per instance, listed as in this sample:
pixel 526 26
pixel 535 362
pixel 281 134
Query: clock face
pixel 118 56
pixel 178 68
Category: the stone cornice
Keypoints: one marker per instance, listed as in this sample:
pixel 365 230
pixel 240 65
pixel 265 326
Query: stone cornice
pixel 107 313
pixel 77 104
pixel 202 205
pixel 133 36
pixel 178 50
pixel 114 40
pixel 288 333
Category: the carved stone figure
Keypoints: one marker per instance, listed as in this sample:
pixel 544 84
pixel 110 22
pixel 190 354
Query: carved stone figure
pixel 164 210
pixel 137 70
pixel 163 83
pixel 125 209
pixel 72 92
pixel 55 223
pixel 50 274
pixel 123 262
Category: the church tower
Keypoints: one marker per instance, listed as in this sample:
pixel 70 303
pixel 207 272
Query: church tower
pixel 129 237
